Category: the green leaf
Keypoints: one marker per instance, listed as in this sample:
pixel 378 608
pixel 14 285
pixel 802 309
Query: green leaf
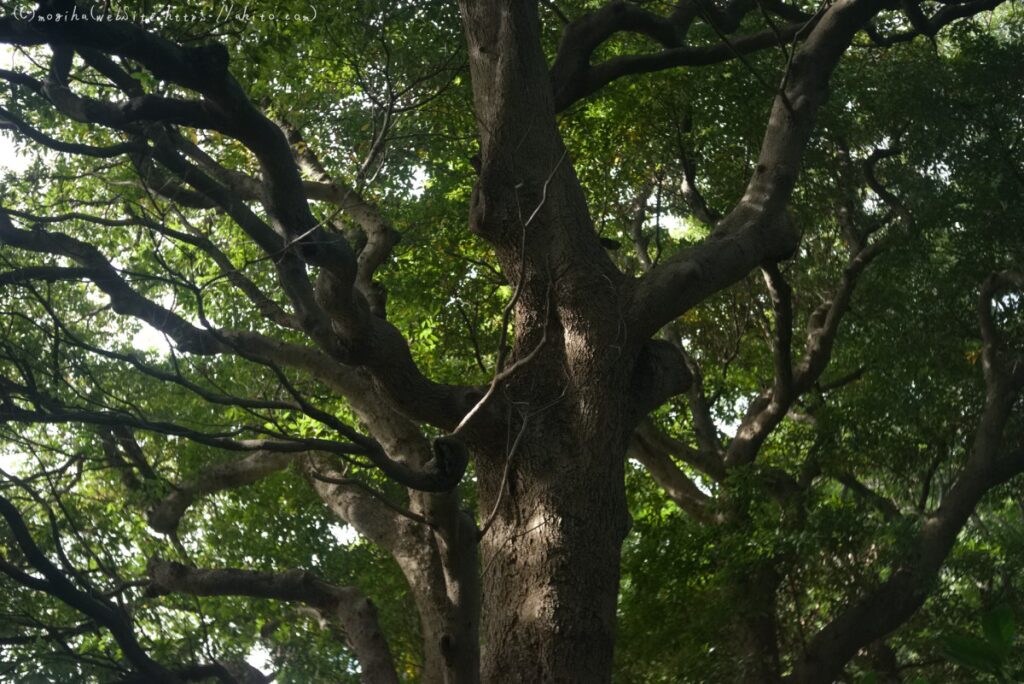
pixel 974 653
pixel 999 627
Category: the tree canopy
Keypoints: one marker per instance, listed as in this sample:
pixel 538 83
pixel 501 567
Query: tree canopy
pixel 431 341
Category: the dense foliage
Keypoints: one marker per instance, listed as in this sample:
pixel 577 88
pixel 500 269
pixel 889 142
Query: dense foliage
pixel 918 154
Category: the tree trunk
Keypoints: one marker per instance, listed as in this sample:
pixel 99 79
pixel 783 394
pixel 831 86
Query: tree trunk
pixel 444 577
pixel 576 386
pixel 551 556
pixel 757 630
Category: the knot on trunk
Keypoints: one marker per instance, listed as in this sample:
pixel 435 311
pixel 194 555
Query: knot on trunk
pixel 163 575
pixel 450 460
pixel 659 374
pixel 165 516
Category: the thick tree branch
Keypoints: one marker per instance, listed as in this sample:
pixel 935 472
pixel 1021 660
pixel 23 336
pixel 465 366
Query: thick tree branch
pixel 55 583
pixel 757 229
pixel 930 26
pixel 439 474
pixel 8 118
pixel 677 485
pixel 123 298
pixel 575 78
pixel 370 516
pixel 707 462
pixel 885 506
pixel 769 409
pixel 354 613
pixel 381 237
pixel 994 458
pixel 166 515
pixel 339 316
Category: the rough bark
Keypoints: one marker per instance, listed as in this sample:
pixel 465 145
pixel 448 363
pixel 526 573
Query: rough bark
pixel 551 556
pixel 553 496
pixel 756 642
pixel 551 433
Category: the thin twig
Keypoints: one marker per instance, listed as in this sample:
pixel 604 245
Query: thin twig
pixel 500 372
pixel 504 479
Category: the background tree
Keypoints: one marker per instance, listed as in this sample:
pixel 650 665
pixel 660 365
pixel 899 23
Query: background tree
pixel 495 287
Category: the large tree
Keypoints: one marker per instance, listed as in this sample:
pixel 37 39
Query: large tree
pixel 501 285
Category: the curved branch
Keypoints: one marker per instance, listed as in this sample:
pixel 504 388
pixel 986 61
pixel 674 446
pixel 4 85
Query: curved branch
pixel 574 78
pixel 757 230
pixel 165 516
pixel 930 26
pixel 991 462
pixel 676 484
pixel 339 317
pixel 8 118
pixel 439 474
pixel 992 356
pixel 355 614
pixel 56 584
pixel 708 462
pixel 768 410
pixel 123 298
